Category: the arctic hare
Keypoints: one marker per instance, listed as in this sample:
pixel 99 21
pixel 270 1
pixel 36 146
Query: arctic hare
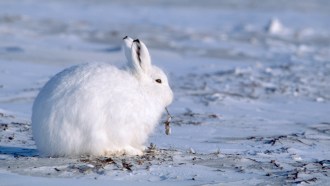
pixel 98 109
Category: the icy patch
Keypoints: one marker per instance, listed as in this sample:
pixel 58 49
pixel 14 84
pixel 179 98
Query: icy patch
pixel 276 27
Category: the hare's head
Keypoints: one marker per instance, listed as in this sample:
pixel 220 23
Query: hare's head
pixel 150 76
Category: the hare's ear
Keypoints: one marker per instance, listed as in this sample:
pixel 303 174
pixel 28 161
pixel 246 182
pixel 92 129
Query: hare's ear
pixel 140 57
pixel 127 45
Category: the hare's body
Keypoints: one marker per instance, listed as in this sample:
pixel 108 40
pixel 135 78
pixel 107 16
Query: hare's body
pixel 96 109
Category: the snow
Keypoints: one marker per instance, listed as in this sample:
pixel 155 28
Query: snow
pixel 276 27
pixel 250 78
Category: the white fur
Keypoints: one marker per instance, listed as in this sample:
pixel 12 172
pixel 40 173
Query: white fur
pixel 98 109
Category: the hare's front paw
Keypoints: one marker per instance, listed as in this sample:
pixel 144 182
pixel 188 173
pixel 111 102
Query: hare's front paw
pixel 133 151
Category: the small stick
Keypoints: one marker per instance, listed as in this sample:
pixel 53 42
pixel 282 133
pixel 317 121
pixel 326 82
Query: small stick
pixel 167 123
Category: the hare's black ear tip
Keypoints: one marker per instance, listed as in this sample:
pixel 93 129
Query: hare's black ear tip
pixel 137 40
pixel 125 37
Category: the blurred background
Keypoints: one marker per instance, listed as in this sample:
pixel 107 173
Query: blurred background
pixel 224 29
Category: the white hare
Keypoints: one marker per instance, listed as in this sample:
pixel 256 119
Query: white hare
pixel 98 109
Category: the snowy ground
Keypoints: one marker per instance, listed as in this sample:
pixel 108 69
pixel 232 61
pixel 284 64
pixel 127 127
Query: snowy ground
pixel 251 85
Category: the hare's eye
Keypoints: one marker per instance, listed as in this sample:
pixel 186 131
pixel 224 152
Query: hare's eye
pixel 158 80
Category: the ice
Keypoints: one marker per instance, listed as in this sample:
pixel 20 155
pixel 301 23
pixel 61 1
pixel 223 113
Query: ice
pixel 275 26
pixel 250 78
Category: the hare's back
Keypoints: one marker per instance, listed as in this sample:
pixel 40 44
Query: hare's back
pixel 88 77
